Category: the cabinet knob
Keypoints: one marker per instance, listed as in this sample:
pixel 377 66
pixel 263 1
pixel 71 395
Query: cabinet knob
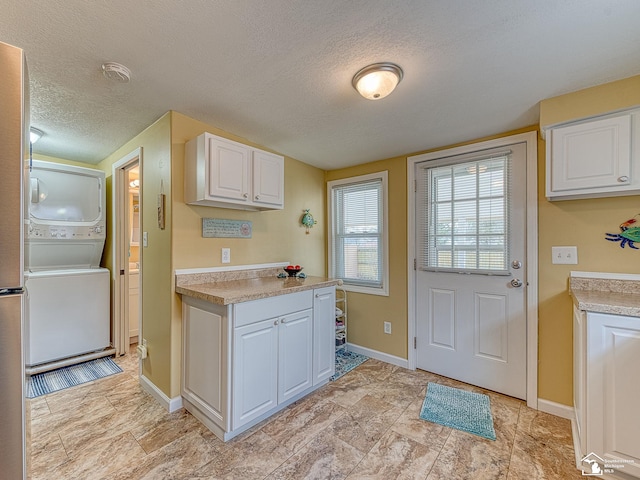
pixel 245 195
pixel 257 197
pixel 623 179
pixel 276 322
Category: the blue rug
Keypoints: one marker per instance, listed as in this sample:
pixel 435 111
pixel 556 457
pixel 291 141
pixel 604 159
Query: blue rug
pixel 49 382
pixel 347 361
pixel 459 409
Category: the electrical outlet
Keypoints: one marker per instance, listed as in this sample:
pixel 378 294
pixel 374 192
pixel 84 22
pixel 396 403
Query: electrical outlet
pixel 387 327
pixel 564 255
pixel 226 255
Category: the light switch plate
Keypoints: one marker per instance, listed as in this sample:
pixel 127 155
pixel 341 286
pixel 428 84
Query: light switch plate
pixel 564 255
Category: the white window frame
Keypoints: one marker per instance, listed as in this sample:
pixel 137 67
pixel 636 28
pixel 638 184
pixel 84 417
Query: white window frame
pixel 383 176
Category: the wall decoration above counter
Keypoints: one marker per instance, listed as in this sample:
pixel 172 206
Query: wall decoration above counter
pixel 628 234
pixel 223 228
pixel 307 220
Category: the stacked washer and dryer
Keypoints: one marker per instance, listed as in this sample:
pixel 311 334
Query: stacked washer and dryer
pixel 68 295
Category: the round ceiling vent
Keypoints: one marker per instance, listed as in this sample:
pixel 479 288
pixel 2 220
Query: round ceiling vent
pixel 116 72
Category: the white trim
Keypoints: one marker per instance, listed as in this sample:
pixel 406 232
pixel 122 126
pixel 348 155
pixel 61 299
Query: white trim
pixel 557 409
pixel 383 357
pixel 384 176
pixel 531 141
pixel 170 404
pixel 607 276
pixel 235 268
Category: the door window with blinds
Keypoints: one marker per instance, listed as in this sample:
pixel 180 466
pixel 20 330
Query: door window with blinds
pixel 358 233
pixel 465 221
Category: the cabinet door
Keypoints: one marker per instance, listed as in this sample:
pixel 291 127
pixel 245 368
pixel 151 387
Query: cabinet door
pixel 324 352
pixel 613 388
pixel 295 333
pixel 591 155
pixel 228 170
pixel 255 370
pixel 268 178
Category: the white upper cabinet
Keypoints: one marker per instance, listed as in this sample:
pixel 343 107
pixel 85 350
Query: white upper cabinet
pixel 594 158
pixel 222 173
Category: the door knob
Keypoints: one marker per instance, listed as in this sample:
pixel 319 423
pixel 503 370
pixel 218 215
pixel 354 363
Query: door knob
pixel 516 282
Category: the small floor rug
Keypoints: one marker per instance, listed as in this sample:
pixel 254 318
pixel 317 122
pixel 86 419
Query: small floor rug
pixel 459 409
pixel 49 382
pixel 347 361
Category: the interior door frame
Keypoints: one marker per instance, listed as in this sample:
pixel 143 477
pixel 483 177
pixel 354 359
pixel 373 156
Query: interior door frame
pixel 531 141
pixel 119 219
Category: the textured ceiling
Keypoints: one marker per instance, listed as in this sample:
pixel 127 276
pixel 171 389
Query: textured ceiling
pixel 278 72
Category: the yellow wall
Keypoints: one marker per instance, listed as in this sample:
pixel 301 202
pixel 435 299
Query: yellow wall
pixel 64 161
pixel 277 235
pixel 368 312
pixel 157 275
pixel 576 222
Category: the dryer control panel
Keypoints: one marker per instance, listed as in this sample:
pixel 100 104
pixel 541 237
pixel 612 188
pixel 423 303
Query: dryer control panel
pixel 50 232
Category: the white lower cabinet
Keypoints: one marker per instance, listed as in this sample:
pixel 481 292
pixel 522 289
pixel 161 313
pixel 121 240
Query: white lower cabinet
pixel 244 362
pixel 607 388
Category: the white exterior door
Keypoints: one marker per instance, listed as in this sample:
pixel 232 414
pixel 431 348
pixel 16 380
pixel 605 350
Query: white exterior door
pixel 470 215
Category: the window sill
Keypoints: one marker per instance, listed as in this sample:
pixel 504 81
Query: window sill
pixel 383 292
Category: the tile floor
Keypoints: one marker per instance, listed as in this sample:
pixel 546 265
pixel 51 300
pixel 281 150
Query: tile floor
pixel 363 426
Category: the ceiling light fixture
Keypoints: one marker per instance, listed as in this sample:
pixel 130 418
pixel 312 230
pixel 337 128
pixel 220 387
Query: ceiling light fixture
pixel 116 72
pixel 35 135
pixel 378 80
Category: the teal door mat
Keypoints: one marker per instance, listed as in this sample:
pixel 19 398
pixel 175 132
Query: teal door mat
pixel 347 361
pixel 49 382
pixel 459 409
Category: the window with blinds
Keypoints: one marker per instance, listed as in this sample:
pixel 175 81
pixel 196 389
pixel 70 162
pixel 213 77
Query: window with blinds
pixel 358 251
pixel 464 219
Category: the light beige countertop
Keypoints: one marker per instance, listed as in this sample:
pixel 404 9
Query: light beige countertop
pixel 224 288
pixel 606 295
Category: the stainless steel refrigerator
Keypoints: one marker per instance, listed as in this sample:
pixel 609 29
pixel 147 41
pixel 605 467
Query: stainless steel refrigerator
pixel 14 157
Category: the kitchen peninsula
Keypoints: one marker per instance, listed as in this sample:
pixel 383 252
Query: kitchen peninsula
pixel 252 343
pixel 606 353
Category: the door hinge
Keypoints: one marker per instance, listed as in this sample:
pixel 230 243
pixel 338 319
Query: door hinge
pixel 121 272
pixel 415 264
pixel 415 186
pixel 415 342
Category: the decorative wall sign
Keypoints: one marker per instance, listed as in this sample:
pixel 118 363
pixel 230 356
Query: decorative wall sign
pixel 222 228
pixel 628 234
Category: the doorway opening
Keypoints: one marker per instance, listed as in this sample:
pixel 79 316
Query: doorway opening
pixel 127 253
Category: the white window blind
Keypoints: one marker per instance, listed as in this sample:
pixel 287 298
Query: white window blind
pixel 357 226
pixel 464 221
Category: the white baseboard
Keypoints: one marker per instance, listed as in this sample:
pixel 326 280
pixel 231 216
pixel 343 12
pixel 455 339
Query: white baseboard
pixel 557 409
pixel 170 404
pixel 383 357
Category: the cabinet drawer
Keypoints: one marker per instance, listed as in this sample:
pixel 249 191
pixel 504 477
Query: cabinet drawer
pixel 255 310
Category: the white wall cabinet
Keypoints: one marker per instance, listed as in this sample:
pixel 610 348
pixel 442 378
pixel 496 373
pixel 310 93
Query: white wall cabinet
pixel 606 388
pixel 222 173
pixel 244 362
pixel 591 158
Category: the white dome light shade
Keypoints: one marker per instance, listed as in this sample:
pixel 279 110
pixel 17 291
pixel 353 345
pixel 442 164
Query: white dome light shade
pixel 378 80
